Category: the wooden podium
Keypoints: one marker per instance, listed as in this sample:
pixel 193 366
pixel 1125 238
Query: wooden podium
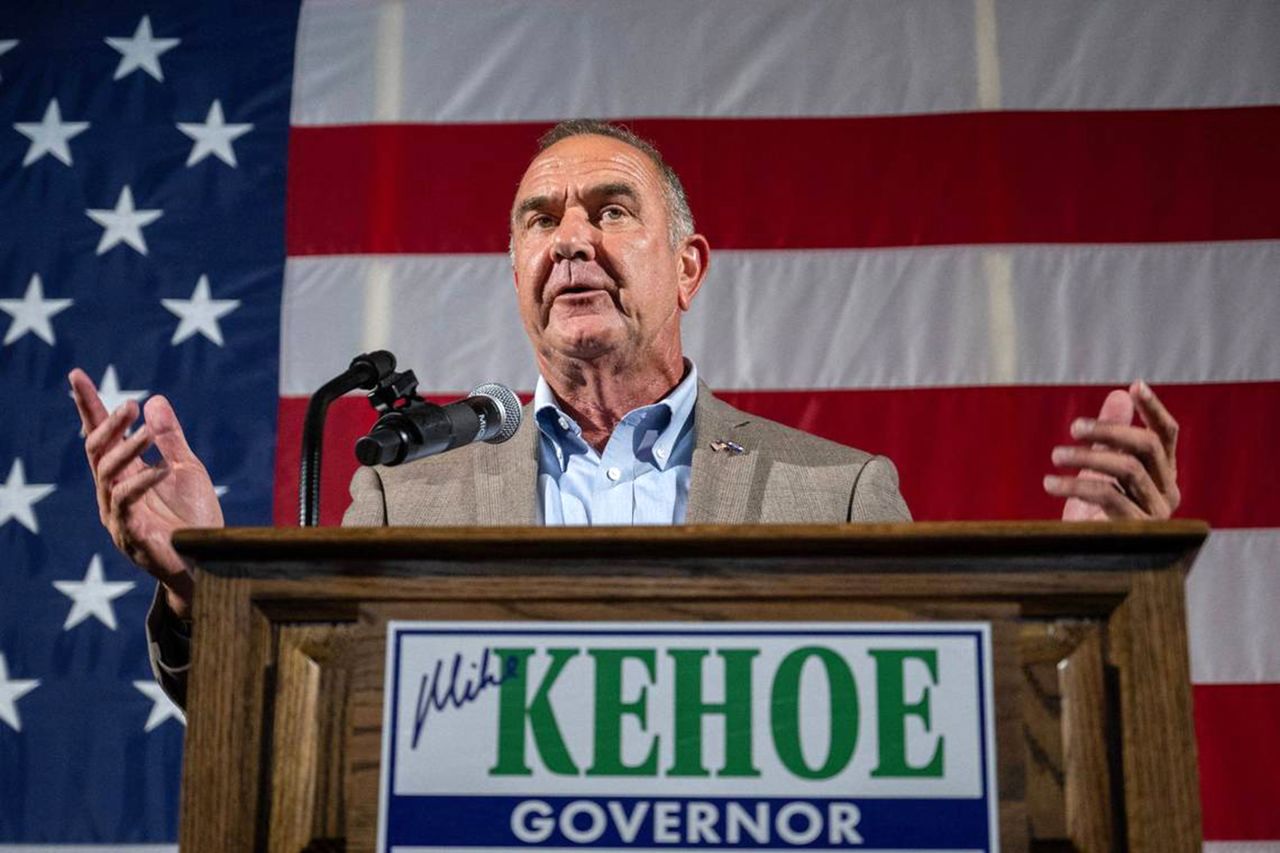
pixel 1095 744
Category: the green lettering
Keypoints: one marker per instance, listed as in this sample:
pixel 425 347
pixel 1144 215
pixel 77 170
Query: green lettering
pixel 843 734
pixel 894 710
pixel 690 709
pixel 610 709
pixel 514 712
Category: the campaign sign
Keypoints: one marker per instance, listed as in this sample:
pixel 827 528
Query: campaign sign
pixel 688 736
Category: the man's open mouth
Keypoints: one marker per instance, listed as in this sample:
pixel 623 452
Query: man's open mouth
pixel 577 290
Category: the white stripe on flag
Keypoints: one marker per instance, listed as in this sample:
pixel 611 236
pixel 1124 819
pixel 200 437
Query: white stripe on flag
pixel 475 61
pixel 1233 596
pixel 1109 56
pixel 452 319
pixel 918 317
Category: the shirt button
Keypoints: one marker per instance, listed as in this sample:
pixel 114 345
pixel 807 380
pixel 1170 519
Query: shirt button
pixel 564 423
pixel 660 453
pixel 613 474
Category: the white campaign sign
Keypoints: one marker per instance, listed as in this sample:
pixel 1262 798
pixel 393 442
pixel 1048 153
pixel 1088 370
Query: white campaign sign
pixel 704 736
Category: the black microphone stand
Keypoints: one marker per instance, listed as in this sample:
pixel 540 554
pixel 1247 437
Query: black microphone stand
pixel 366 371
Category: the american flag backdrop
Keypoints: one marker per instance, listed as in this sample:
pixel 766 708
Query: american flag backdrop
pixel 940 231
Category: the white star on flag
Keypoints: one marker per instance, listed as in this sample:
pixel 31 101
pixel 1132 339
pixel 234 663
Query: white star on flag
pixel 32 313
pixel 213 137
pixel 124 224
pixel 111 395
pixel 92 596
pixel 11 690
pixel 50 135
pixel 199 313
pixel 163 707
pixel 221 490
pixel 142 51
pixel 18 499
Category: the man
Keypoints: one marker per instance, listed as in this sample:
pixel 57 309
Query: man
pixel 606 261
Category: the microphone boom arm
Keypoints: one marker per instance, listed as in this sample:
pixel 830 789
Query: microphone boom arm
pixel 408 426
pixel 366 371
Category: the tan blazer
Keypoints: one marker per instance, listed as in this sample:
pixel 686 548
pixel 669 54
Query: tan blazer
pixel 782 476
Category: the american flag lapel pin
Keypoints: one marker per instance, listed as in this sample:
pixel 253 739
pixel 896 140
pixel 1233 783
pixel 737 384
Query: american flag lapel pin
pixel 730 447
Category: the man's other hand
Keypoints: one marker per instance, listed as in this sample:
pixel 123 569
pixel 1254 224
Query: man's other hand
pixel 142 504
pixel 1126 471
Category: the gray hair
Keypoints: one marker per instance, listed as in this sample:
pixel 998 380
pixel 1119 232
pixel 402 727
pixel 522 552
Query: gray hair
pixel 680 217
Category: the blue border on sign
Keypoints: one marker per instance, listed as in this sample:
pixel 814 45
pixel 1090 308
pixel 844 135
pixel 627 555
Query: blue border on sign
pixel 401 633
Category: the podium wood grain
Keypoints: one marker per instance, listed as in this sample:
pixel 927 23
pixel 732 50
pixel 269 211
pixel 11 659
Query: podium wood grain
pixel 285 717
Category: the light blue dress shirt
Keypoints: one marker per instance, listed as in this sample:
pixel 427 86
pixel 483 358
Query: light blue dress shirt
pixel 641 478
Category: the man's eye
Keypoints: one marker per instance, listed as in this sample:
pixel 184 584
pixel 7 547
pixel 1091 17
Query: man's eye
pixel 613 213
pixel 542 220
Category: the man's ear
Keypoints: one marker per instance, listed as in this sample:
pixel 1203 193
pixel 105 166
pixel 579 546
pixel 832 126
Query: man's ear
pixel 693 259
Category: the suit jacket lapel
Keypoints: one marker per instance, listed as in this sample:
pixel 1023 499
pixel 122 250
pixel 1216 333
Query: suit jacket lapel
pixel 721 481
pixel 720 486
pixel 506 478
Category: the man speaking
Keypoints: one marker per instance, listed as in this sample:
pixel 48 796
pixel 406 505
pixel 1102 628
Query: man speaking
pixel 606 260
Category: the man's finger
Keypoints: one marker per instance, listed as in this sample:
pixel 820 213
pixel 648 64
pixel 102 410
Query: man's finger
pixel 103 438
pixel 1155 415
pixel 167 431
pixel 1100 493
pixel 1126 472
pixel 1139 442
pixel 88 404
pixel 129 490
pixel 1117 408
pixel 124 457
pixel 108 432
pixel 1074 509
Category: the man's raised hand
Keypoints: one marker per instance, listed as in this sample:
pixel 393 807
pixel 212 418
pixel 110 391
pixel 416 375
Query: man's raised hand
pixel 1126 471
pixel 141 504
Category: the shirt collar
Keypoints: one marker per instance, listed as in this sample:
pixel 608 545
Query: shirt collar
pixel 566 435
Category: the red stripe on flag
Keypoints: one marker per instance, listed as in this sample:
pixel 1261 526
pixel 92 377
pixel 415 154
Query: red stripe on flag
pixel 981 453
pixel 963 453
pixel 997 177
pixel 1238 729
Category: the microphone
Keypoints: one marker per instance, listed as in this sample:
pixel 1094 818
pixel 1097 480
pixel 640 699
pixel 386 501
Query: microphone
pixel 491 414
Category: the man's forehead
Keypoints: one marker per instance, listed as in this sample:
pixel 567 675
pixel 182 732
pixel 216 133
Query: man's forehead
pixel 587 160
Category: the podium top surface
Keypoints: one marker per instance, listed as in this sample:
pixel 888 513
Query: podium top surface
pixel 1104 544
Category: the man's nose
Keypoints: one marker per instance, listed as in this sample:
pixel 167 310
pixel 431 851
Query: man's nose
pixel 575 238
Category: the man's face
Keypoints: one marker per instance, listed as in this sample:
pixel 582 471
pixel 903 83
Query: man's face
pixel 596 275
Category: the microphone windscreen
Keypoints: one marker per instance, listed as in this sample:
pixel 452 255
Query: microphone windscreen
pixel 508 407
